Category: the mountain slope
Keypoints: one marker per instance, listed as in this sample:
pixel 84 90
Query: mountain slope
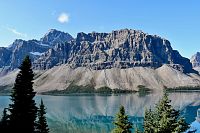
pixel 61 76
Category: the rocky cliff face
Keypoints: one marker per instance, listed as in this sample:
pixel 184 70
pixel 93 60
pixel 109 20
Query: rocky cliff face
pixel 4 57
pixel 119 49
pixel 15 53
pixel 195 60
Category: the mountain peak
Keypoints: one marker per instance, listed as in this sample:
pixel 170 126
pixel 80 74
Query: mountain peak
pixel 51 31
pixel 54 36
pixel 195 60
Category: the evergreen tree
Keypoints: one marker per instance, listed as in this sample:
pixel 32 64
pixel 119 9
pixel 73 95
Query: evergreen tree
pixel 4 122
pixel 23 110
pixel 121 122
pixel 149 121
pixel 42 126
pixel 165 119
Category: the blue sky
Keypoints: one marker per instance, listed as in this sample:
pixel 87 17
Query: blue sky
pixel 176 20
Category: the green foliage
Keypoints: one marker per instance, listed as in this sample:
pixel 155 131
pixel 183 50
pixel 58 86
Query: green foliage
pixel 149 121
pixel 121 122
pixel 143 91
pixel 104 89
pixel 164 119
pixel 42 126
pixel 183 89
pixel 75 89
pixel 23 110
pixel 116 91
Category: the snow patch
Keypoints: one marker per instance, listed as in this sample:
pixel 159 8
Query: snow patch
pixel 46 45
pixel 36 53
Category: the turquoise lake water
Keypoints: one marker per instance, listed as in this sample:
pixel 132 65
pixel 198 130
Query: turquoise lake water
pixel 95 113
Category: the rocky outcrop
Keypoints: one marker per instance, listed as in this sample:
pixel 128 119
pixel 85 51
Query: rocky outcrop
pixel 54 56
pixel 21 48
pixel 15 53
pixel 119 49
pixel 195 60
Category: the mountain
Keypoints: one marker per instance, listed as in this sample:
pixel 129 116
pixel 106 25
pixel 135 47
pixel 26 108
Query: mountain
pixel 15 53
pixel 195 60
pixel 121 59
pixel 120 49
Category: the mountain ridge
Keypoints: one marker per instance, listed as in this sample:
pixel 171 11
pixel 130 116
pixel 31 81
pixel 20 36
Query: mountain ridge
pixel 122 59
pixel 124 48
pixel 34 48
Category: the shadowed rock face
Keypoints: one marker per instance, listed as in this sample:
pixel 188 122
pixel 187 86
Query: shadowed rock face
pixel 4 57
pixel 195 60
pixel 121 49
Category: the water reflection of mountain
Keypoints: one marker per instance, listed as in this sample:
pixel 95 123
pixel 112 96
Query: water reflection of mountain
pixel 95 113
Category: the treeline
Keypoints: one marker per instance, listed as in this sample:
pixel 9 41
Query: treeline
pixel 88 89
pixel 163 119
pixel 22 115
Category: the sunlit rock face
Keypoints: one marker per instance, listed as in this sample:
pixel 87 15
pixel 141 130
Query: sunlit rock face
pixel 121 48
pixel 195 60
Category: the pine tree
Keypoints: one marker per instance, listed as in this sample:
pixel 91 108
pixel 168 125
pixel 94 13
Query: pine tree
pixel 164 119
pixel 149 119
pixel 23 110
pixel 121 122
pixel 4 122
pixel 42 126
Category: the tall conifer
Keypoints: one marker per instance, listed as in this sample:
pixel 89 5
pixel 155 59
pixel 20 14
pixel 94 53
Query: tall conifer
pixel 42 126
pixel 164 119
pixel 23 110
pixel 121 122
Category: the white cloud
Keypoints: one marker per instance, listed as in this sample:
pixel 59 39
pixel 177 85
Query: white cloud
pixel 14 31
pixel 63 18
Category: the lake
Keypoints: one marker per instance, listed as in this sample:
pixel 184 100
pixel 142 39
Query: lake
pixel 95 113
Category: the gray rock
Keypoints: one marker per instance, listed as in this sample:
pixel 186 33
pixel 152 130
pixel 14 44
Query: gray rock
pixel 53 36
pixel 4 57
pixel 15 53
pixel 120 49
pixel 195 60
